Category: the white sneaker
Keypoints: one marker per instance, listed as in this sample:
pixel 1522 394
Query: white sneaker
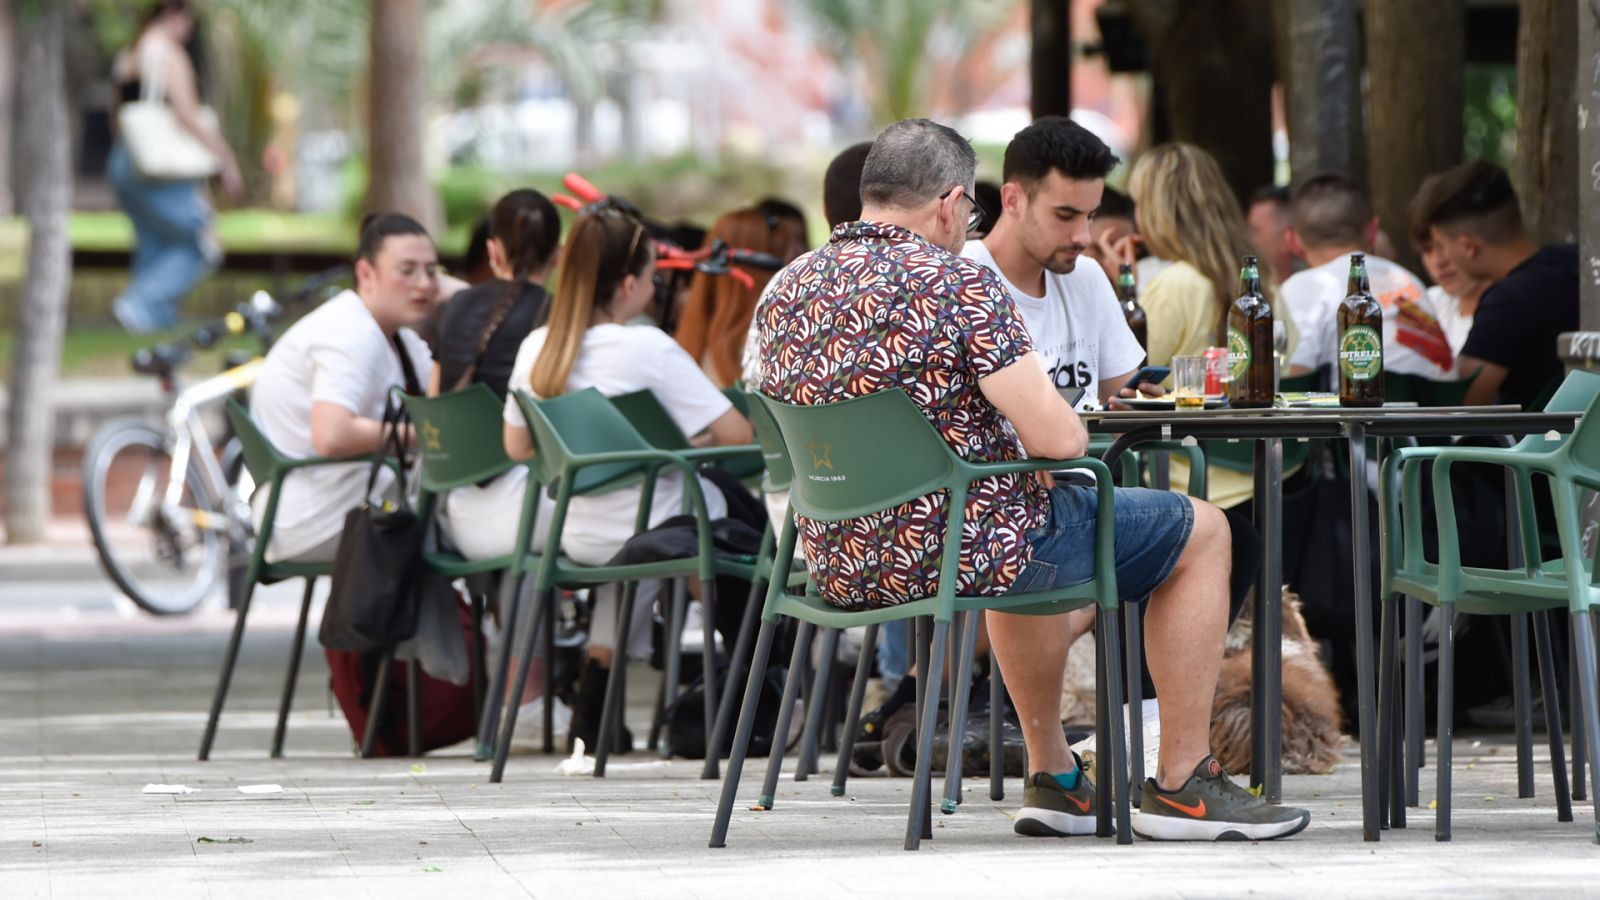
pixel 694 638
pixel 530 719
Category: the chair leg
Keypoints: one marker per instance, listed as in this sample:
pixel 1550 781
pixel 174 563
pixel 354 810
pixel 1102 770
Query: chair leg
pixel 1391 778
pixel 1522 703
pixel 741 735
pixel 548 742
pixel 780 734
pixel 1575 716
pixel 414 708
pixel 1118 776
pixel 966 641
pixel 293 673
pixel 230 659
pixel 513 701
pixel 1416 730
pixel 708 658
pixel 1552 714
pixel 918 821
pixel 489 723
pixel 741 647
pixel 1133 635
pixel 612 710
pixel 1446 728
pixel 928 681
pixel 852 715
pixel 380 701
pixel 806 764
pixel 673 671
pixel 479 680
pixel 997 754
pixel 1583 632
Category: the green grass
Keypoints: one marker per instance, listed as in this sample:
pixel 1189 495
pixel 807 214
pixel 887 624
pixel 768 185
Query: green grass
pixel 105 351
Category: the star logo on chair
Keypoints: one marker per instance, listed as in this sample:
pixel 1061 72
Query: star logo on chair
pixel 819 455
pixel 430 436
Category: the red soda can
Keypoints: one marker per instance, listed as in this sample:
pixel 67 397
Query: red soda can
pixel 1216 371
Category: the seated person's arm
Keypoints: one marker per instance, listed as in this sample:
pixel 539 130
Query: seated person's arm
pixel 1047 426
pixel 728 429
pixel 433 381
pixel 337 432
pixel 518 442
pixel 1486 386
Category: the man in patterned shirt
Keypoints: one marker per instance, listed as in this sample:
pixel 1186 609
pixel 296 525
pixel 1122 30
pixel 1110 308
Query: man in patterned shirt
pixel 887 303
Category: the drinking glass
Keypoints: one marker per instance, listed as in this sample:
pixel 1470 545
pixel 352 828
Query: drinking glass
pixel 1189 382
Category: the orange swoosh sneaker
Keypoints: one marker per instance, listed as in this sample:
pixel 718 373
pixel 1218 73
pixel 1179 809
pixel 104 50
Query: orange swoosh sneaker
pixel 1211 807
pixel 1050 810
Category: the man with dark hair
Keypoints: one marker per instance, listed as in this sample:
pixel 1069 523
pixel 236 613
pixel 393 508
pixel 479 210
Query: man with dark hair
pixel 944 330
pixel 1268 217
pixel 1054 177
pixel 841 185
pixel 1476 225
pixel 1330 219
pixel 324 385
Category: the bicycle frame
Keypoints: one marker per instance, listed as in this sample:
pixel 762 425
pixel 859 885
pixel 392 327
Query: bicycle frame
pixel 188 432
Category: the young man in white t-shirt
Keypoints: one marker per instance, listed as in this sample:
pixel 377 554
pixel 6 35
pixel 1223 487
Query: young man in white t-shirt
pixel 1331 219
pixel 1054 177
pixel 324 384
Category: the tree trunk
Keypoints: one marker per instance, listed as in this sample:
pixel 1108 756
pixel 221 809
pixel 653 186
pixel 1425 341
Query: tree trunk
pixel 1050 63
pixel 1213 61
pixel 8 94
pixel 1322 75
pixel 398 179
pixel 1547 130
pixel 1588 168
pixel 45 151
pixel 1414 50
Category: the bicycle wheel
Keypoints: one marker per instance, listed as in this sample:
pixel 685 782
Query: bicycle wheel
pixel 167 560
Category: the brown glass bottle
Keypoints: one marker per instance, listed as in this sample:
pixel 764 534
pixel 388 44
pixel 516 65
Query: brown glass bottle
pixel 1360 340
pixel 1128 296
pixel 1251 364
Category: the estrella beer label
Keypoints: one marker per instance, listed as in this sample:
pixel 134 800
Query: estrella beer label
pixel 1361 353
pixel 1238 354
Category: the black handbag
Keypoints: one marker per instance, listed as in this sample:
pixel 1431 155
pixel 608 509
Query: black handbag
pixel 374 601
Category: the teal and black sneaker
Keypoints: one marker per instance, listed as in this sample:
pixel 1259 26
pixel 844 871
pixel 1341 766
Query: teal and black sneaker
pixel 1050 810
pixel 1211 807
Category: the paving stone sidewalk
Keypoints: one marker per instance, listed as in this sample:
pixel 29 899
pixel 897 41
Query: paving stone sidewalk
pixel 89 717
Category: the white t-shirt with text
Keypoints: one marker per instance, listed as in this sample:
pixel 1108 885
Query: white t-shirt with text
pixel 336 354
pixel 1077 327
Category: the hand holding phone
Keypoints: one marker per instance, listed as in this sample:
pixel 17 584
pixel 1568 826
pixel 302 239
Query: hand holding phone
pixel 1147 375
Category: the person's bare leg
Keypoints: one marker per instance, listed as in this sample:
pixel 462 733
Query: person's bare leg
pixel 1185 625
pixel 1032 652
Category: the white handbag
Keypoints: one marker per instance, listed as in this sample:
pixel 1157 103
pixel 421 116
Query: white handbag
pixel 160 147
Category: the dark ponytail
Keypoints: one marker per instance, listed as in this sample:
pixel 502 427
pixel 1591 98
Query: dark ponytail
pixel 527 226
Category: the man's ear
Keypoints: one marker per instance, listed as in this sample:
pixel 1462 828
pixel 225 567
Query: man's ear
pixel 1012 198
pixel 1296 247
pixel 1469 244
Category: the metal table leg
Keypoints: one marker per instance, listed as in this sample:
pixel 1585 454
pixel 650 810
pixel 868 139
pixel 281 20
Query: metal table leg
pixel 1366 663
pixel 1416 703
pixel 1266 684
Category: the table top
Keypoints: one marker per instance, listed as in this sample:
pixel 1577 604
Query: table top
pixel 1334 413
pixel 1331 422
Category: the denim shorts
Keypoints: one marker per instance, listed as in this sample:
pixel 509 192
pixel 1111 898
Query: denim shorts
pixel 1151 530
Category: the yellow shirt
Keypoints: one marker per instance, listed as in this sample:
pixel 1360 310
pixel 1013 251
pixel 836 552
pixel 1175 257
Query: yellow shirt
pixel 1182 310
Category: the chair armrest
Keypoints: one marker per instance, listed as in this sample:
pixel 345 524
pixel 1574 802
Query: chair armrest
pixel 706 454
pixel 1521 463
pixel 1024 466
pixel 657 459
pixel 309 461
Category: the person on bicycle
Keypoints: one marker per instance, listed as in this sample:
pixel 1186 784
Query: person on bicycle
pixel 324 386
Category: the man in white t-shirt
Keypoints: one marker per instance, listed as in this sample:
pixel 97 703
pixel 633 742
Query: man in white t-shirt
pixel 1331 219
pixel 323 386
pixel 1054 177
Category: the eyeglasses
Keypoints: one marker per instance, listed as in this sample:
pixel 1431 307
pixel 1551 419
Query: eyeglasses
pixel 976 218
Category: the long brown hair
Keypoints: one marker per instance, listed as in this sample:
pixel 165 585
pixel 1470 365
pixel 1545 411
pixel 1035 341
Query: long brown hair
pixel 1187 213
pixel 603 248
pixel 717 315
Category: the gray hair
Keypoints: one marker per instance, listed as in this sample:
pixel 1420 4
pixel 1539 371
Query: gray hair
pixel 914 161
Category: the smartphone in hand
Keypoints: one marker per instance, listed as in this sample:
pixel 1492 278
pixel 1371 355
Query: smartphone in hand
pixel 1148 375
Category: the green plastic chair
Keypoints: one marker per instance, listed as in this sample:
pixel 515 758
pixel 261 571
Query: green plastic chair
pixel 1239 456
pixel 1539 585
pixel 267 468
pixel 883 452
pixel 585 446
pixel 1424 391
pixel 459 443
pixel 646 414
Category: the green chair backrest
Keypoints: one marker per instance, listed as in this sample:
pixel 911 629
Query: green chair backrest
pixel 737 396
pixel 579 423
pixel 260 457
pixel 1579 391
pixel 460 438
pixel 780 470
pixel 1399 388
pixel 646 414
pixel 860 456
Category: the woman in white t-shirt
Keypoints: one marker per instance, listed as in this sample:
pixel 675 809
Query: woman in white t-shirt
pixel 607 270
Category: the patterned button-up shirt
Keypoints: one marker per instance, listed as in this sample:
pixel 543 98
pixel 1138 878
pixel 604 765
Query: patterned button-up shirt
pixel 878 308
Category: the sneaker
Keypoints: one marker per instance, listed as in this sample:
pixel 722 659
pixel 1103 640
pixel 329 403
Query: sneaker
pixel 1211 807
pixel 1050 810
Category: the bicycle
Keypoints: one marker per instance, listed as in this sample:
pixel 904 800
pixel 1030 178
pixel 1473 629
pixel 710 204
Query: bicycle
pixel 187 521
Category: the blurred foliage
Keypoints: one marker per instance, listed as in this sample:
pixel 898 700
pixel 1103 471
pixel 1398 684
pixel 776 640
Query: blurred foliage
pixel 1490 100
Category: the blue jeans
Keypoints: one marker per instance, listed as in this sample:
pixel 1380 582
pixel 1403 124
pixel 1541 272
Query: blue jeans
pixel 174 250
pixel 1151 529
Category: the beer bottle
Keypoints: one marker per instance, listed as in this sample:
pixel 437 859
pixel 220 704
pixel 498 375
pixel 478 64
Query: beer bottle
pixel 1128 295
pixel 1360 340
pixel 1251 363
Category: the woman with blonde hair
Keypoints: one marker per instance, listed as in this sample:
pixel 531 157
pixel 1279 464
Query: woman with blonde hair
pixel 716 317
pixel 1187 214
pixel 607 269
